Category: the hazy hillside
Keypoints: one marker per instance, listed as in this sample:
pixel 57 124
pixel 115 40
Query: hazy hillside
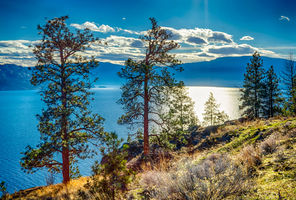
pixel 13 77
pixel 225 72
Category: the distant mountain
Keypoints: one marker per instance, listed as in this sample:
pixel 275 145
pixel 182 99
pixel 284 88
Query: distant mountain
pixel 13 77
pixel 223 72
pixel 226 72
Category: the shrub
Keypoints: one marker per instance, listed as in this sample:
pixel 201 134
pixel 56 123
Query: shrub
pixel 268 146
pixel 250 157
pixel 216 177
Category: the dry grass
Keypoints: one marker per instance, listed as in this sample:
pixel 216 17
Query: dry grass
pixel 58 191
pixel 269 145
pixel 250 157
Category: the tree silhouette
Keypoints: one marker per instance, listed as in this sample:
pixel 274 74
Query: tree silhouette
pixel 272 93
pixel 289 80
pixel 65 124
pixel 253 89
pixel 145 79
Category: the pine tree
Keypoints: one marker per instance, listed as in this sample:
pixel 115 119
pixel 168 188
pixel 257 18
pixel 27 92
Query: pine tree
pixel 66 124
pixel 146 78
pixel 253 88
pixel 212 115
pixel 111 176
pixel 272 93
pixel 289 80
pixel 178 116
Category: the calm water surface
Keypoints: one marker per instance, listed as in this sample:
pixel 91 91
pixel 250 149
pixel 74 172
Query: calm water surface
pixel 18 127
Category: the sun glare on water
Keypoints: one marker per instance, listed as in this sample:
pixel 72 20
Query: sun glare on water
pixel 228 98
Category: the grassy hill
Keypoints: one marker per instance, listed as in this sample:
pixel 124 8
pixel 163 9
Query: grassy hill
pixel 237 160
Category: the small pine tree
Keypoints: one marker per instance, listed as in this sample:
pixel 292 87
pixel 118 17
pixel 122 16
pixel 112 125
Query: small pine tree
pixel 111 176
pixel 289 81
pixel 178 116
pixel 253 88
pixel 272 93
pixel 212 115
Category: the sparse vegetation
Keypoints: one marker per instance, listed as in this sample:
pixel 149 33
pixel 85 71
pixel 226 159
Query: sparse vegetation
pixel 216 177
pixel 257 162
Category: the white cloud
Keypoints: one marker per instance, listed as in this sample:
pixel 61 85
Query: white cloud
pixel 199 36
pixel 196 45
pixel 93 27
pixel 247 38
pixel 123 18
pixel 284 18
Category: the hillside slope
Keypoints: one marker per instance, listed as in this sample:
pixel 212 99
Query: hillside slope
pixel 248 160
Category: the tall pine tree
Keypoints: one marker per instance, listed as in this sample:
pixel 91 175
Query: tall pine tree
pixel 66 124
pixel 272 93
pixel 212 115
pixel 142 91
pixel 253 88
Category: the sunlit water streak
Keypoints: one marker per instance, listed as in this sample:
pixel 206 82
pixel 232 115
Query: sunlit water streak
pixel 18 126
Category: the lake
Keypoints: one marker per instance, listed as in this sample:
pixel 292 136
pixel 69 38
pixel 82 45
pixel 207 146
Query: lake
pixel 18 126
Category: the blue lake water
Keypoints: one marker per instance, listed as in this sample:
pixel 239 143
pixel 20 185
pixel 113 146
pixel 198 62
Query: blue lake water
pixel 18 123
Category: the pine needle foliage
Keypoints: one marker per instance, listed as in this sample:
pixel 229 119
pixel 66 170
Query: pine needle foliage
pixel 145 79
pixel 65 124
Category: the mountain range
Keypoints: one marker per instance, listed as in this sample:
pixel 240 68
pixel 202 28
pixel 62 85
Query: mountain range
pixel 221 72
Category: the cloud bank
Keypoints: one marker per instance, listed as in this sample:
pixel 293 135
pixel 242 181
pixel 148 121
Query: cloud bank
pixel 119 44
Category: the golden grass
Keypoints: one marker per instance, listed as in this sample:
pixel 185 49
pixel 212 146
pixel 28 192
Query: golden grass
pixel 57 191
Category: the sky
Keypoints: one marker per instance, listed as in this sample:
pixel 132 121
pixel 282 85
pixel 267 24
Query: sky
pixel 205 29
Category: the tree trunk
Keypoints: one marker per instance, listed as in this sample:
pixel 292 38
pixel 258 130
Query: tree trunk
pixel 65 149
pixel 66 165
pixel 146 120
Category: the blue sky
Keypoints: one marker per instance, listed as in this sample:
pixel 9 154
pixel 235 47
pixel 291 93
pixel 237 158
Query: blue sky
pixel 206 29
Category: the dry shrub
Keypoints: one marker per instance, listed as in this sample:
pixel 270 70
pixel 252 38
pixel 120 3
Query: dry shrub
pixel 216 177
pixel 269 145
pixel 250 157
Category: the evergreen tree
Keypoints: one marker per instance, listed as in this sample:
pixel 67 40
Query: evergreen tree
pixel 141 94
pixel 65 124
pixel 111 176
pixel 177 118
pixel 212 115
pixel 289 80
pixel 272 95
pixel 253 88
